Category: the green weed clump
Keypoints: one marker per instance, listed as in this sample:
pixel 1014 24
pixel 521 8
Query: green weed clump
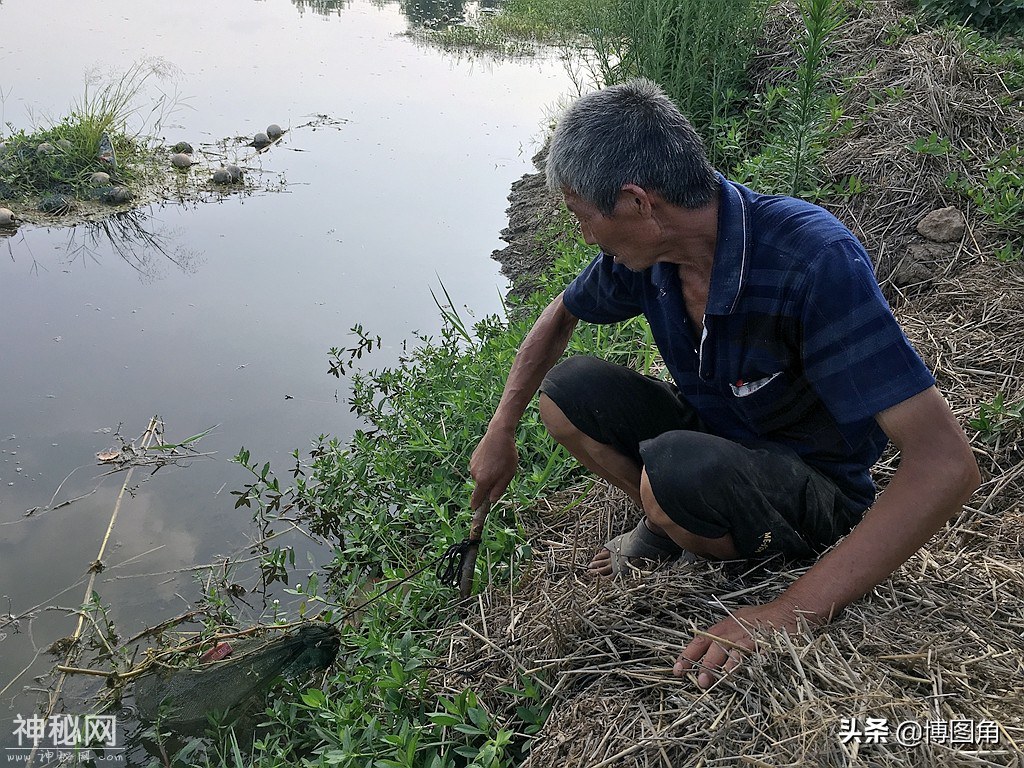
pixel 394 498
pixel 999 16
pixel 797 117
pixel 62 156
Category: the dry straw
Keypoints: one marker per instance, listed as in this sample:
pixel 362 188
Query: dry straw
pixel 942 640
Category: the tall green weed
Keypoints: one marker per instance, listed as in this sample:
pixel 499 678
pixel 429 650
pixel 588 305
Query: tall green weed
pixel 797 117
pixel 697 50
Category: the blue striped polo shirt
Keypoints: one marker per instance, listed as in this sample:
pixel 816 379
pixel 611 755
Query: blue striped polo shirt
pixel 799 346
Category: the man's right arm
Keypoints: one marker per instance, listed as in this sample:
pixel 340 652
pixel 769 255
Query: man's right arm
pixel 495 459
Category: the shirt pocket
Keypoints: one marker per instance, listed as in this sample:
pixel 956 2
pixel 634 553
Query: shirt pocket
pixel 774 403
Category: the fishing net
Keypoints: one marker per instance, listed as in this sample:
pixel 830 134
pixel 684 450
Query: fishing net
pixel 185 699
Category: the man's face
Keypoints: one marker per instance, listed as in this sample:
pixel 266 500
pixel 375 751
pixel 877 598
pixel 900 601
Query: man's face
pixel 625 235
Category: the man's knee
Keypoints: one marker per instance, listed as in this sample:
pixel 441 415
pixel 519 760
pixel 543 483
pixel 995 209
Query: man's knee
pixel 722 548
pixel 569 382
pixel 556 422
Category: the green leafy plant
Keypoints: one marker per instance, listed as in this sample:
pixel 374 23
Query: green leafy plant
pixel 392 499
pixel 932 144
pixel 998 417
pixel 1006 16
pixel 1010 252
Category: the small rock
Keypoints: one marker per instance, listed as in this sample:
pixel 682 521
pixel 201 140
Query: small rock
pixel 234 172
pixel 7 219
pixel 911 273
pixel 64 145
pixel 181 160
pixel 944 225
pixel 182 146
pixel 46 148
pixel 221 176
pixel 260 140
pixel 99 179
pixel 117 196
pixel 274 131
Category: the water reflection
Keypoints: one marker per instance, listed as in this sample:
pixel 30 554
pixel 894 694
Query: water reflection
pixel 418 12
pixel 133 236
pixel 322 7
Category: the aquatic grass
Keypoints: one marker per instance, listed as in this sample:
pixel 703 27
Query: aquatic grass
pixel 71 143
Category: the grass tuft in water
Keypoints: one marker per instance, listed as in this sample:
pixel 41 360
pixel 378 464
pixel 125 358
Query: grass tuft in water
pixel 61 156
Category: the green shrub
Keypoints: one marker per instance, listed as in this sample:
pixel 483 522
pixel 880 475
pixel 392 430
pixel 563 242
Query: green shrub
pixel 991 15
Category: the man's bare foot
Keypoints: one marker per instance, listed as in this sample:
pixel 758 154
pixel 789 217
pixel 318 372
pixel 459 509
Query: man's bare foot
pixel 640 548
pixel 602 563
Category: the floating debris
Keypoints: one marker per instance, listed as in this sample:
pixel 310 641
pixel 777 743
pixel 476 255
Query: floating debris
pixel 260 140
pixel 181 160
pixel 274 131
pixel 7 218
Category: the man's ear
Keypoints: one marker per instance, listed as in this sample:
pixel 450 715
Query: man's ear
pixel 637 199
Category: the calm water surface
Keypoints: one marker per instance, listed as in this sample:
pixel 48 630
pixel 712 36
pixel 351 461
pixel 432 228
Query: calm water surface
pixel 221 313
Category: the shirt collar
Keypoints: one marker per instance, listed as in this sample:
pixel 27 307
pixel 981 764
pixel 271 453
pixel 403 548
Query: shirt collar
pixel 732 250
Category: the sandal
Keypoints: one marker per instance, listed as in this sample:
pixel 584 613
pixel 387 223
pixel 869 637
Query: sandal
pixel 642 544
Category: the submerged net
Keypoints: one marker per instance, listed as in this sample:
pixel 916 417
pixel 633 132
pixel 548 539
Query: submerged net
pixel 185 699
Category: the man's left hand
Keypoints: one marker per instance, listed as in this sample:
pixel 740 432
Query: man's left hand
pixel 722 647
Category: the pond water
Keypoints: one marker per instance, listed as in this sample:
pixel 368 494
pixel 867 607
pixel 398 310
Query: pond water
pixel 220 313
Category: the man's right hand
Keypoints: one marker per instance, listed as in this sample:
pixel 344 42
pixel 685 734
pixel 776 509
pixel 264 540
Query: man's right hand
pixel 495 459
pixel 492 466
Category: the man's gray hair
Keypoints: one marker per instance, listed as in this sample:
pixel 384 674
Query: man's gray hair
pixel 629 134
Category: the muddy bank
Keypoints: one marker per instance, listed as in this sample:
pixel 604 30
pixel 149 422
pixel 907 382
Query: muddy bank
pixel 535 218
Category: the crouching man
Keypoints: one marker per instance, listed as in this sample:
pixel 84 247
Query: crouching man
pixel 789 376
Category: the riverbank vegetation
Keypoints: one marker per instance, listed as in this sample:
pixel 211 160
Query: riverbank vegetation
pixel 871 111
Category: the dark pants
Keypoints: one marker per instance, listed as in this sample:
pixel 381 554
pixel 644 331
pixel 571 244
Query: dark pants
pixel 761 493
